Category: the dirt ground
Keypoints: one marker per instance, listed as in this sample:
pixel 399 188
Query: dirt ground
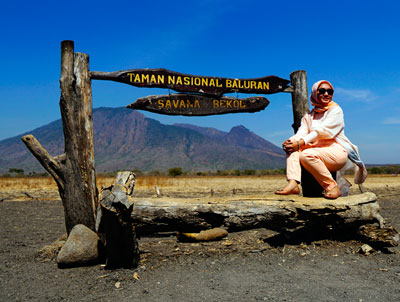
pixel 242 267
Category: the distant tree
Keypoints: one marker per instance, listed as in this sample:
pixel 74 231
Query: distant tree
pixel 16 171
pixel 249 172
pixel 376 170
pixel 236 172
pixel 175 171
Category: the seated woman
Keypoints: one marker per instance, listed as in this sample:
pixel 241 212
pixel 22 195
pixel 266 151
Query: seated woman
pixel 321 146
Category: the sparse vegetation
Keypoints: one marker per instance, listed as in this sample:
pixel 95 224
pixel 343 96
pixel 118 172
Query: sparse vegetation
pixel 178 171
pixel 249 172
pixel 236 172
pixel 155 173
pixel 222 173
pixel 44 188
pixel 16 172
pixel 388 169
pixel 175 171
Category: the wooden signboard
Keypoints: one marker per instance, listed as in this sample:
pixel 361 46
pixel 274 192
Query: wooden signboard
pixel 217 86
pixel 196 105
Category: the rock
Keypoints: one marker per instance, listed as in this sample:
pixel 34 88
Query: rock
pixel 366 249
pixel 136 276
pixel 81 248
pixel 392 249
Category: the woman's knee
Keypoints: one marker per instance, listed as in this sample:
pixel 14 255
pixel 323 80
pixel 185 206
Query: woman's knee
pixel 308 156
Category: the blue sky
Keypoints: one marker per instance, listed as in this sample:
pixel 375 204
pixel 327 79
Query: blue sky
pixel 353 44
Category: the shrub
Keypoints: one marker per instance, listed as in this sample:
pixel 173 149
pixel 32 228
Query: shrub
pixel 175 171
pixel 222 173
pixel 17 172
pixel 249 172
pixel 236 172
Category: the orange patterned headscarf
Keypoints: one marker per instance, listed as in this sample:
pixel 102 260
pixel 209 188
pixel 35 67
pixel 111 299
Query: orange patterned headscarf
pixel 318 105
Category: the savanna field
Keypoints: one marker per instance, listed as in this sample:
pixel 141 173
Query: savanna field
pixel 241 267
pixel 44 188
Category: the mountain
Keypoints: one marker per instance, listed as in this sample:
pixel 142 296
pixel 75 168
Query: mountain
pixel 126 139
pixel 239 136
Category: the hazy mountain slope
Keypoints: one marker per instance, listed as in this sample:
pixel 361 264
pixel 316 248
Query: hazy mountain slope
pixel 126 139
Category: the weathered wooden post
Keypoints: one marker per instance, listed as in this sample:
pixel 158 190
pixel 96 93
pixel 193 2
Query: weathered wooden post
pixel 115 221
pixel 74 170
pixel 299 97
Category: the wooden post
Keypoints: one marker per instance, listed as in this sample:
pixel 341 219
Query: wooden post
pixel 310 186
pixel 74 170
pixel 299 97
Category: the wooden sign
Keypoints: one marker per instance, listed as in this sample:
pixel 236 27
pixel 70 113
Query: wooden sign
pixel 163 78
pixel 196 105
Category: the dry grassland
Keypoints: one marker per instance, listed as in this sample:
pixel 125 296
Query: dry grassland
pixel 44 188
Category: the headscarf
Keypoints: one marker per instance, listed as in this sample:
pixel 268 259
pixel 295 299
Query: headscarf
pixel 318 105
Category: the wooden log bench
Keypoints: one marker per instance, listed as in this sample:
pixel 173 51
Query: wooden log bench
pixel 274 212
pixel 291 216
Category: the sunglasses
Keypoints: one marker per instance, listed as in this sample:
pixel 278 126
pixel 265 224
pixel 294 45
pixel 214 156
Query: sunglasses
pixel 323 90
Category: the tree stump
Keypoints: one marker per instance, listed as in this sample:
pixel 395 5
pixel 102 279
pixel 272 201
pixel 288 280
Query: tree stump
pixel 115 221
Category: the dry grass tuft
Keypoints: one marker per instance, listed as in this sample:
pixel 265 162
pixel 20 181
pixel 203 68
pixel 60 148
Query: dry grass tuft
pixel 50 252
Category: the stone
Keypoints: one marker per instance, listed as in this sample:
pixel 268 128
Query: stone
pixel 81 248
pixel 366 249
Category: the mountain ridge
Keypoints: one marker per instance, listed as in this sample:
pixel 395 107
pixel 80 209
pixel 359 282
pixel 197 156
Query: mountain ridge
pixel 126 139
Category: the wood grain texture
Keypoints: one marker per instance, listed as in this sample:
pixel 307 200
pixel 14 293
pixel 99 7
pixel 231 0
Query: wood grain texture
pixel 299 97
pixel 115 221
pixel 80 196
pixel 74 170
pixel 198 105
pixel 217 86
pixel 239 213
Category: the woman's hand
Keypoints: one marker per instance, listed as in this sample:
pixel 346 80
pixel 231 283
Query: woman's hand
pixel 290 146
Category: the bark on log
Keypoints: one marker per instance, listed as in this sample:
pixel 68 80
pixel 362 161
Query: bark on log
pixel 241 212
pixel 74 170
pixel 114 219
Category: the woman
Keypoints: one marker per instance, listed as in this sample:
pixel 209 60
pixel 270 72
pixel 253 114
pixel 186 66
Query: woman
pixel 321 146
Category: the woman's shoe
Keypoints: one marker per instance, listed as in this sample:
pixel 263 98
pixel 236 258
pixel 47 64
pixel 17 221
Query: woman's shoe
pixel 333 193
pixel 295 191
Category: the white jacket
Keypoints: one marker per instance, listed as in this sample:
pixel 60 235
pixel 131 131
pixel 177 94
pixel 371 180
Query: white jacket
pixel 331 126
